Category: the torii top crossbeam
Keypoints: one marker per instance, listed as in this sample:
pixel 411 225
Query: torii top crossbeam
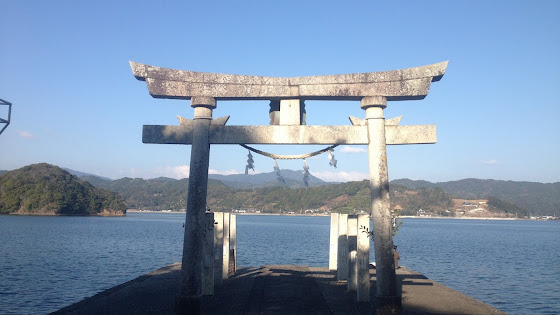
pixel 404 84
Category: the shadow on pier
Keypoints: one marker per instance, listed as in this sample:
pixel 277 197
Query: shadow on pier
pixel 275 289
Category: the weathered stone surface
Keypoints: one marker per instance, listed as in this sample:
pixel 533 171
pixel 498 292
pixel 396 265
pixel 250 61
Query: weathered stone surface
pixel 393 121
pixel 208 255
pixel 363 294
pixel 381 212
pixel 362 122
pixel 189 301
pixel 404 84
pixel 215 122
pixel 205 101
pixel 369 101
pixel 415 134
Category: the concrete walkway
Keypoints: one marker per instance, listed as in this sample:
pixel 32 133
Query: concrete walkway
pixel 275 289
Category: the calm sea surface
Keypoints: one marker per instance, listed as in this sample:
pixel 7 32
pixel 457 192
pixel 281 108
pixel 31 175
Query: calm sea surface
pixel 47 263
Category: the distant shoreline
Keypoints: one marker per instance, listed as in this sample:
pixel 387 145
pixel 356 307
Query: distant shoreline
pixel 152 211
pixel 54 214
pixel 459 218
pixel 326 215
pixel 236 213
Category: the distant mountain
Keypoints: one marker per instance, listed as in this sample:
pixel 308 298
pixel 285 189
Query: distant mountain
pixel 95 180
pixel 536 198
pixel 266 196
pixel 151 194
pixel 232 191
pixel 160 193
pixel 82 174
pixel 165 179
pixel 49 190
pixel 413 184
pixel 292 179
pixel 2 172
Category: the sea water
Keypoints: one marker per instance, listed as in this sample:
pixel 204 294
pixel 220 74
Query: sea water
pixel 50 262
pixel 511 265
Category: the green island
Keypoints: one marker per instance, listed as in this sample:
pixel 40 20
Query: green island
pixel 44 189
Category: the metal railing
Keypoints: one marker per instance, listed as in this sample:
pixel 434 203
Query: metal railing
pixel 5 121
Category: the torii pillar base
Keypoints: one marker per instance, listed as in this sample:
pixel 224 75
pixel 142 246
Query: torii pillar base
pixel 388 305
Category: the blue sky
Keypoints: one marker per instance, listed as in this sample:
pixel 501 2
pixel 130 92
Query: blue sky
pixel 64 66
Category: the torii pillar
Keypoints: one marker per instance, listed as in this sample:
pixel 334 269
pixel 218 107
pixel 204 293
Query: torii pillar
pixel 189 300
pixel 388 301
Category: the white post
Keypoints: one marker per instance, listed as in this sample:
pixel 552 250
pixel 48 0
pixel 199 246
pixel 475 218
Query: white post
pixel 218 248
pixel 352 283
pixel 208 262
pixel 333 249
pixel 225 270
pixel 363 259
pixel 233 241
pixel 342 264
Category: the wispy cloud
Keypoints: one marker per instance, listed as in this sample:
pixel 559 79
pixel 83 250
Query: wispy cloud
pixel 347 149
pixel 257 171
pixel 489 162
pixel 25 134
pixel 340 176
pixel 230 172
pixel 176 172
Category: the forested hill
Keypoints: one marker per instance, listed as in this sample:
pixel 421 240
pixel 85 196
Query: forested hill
pixel 154 194
pixel 536 198
pixel 49 190
pixel 171 194
pixel 531 197
pixel 291 179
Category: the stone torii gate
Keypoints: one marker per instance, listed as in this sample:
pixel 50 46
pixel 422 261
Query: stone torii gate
pixel 372 89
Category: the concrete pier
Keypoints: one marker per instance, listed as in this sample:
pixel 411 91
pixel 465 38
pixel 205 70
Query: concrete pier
pixel 276 289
